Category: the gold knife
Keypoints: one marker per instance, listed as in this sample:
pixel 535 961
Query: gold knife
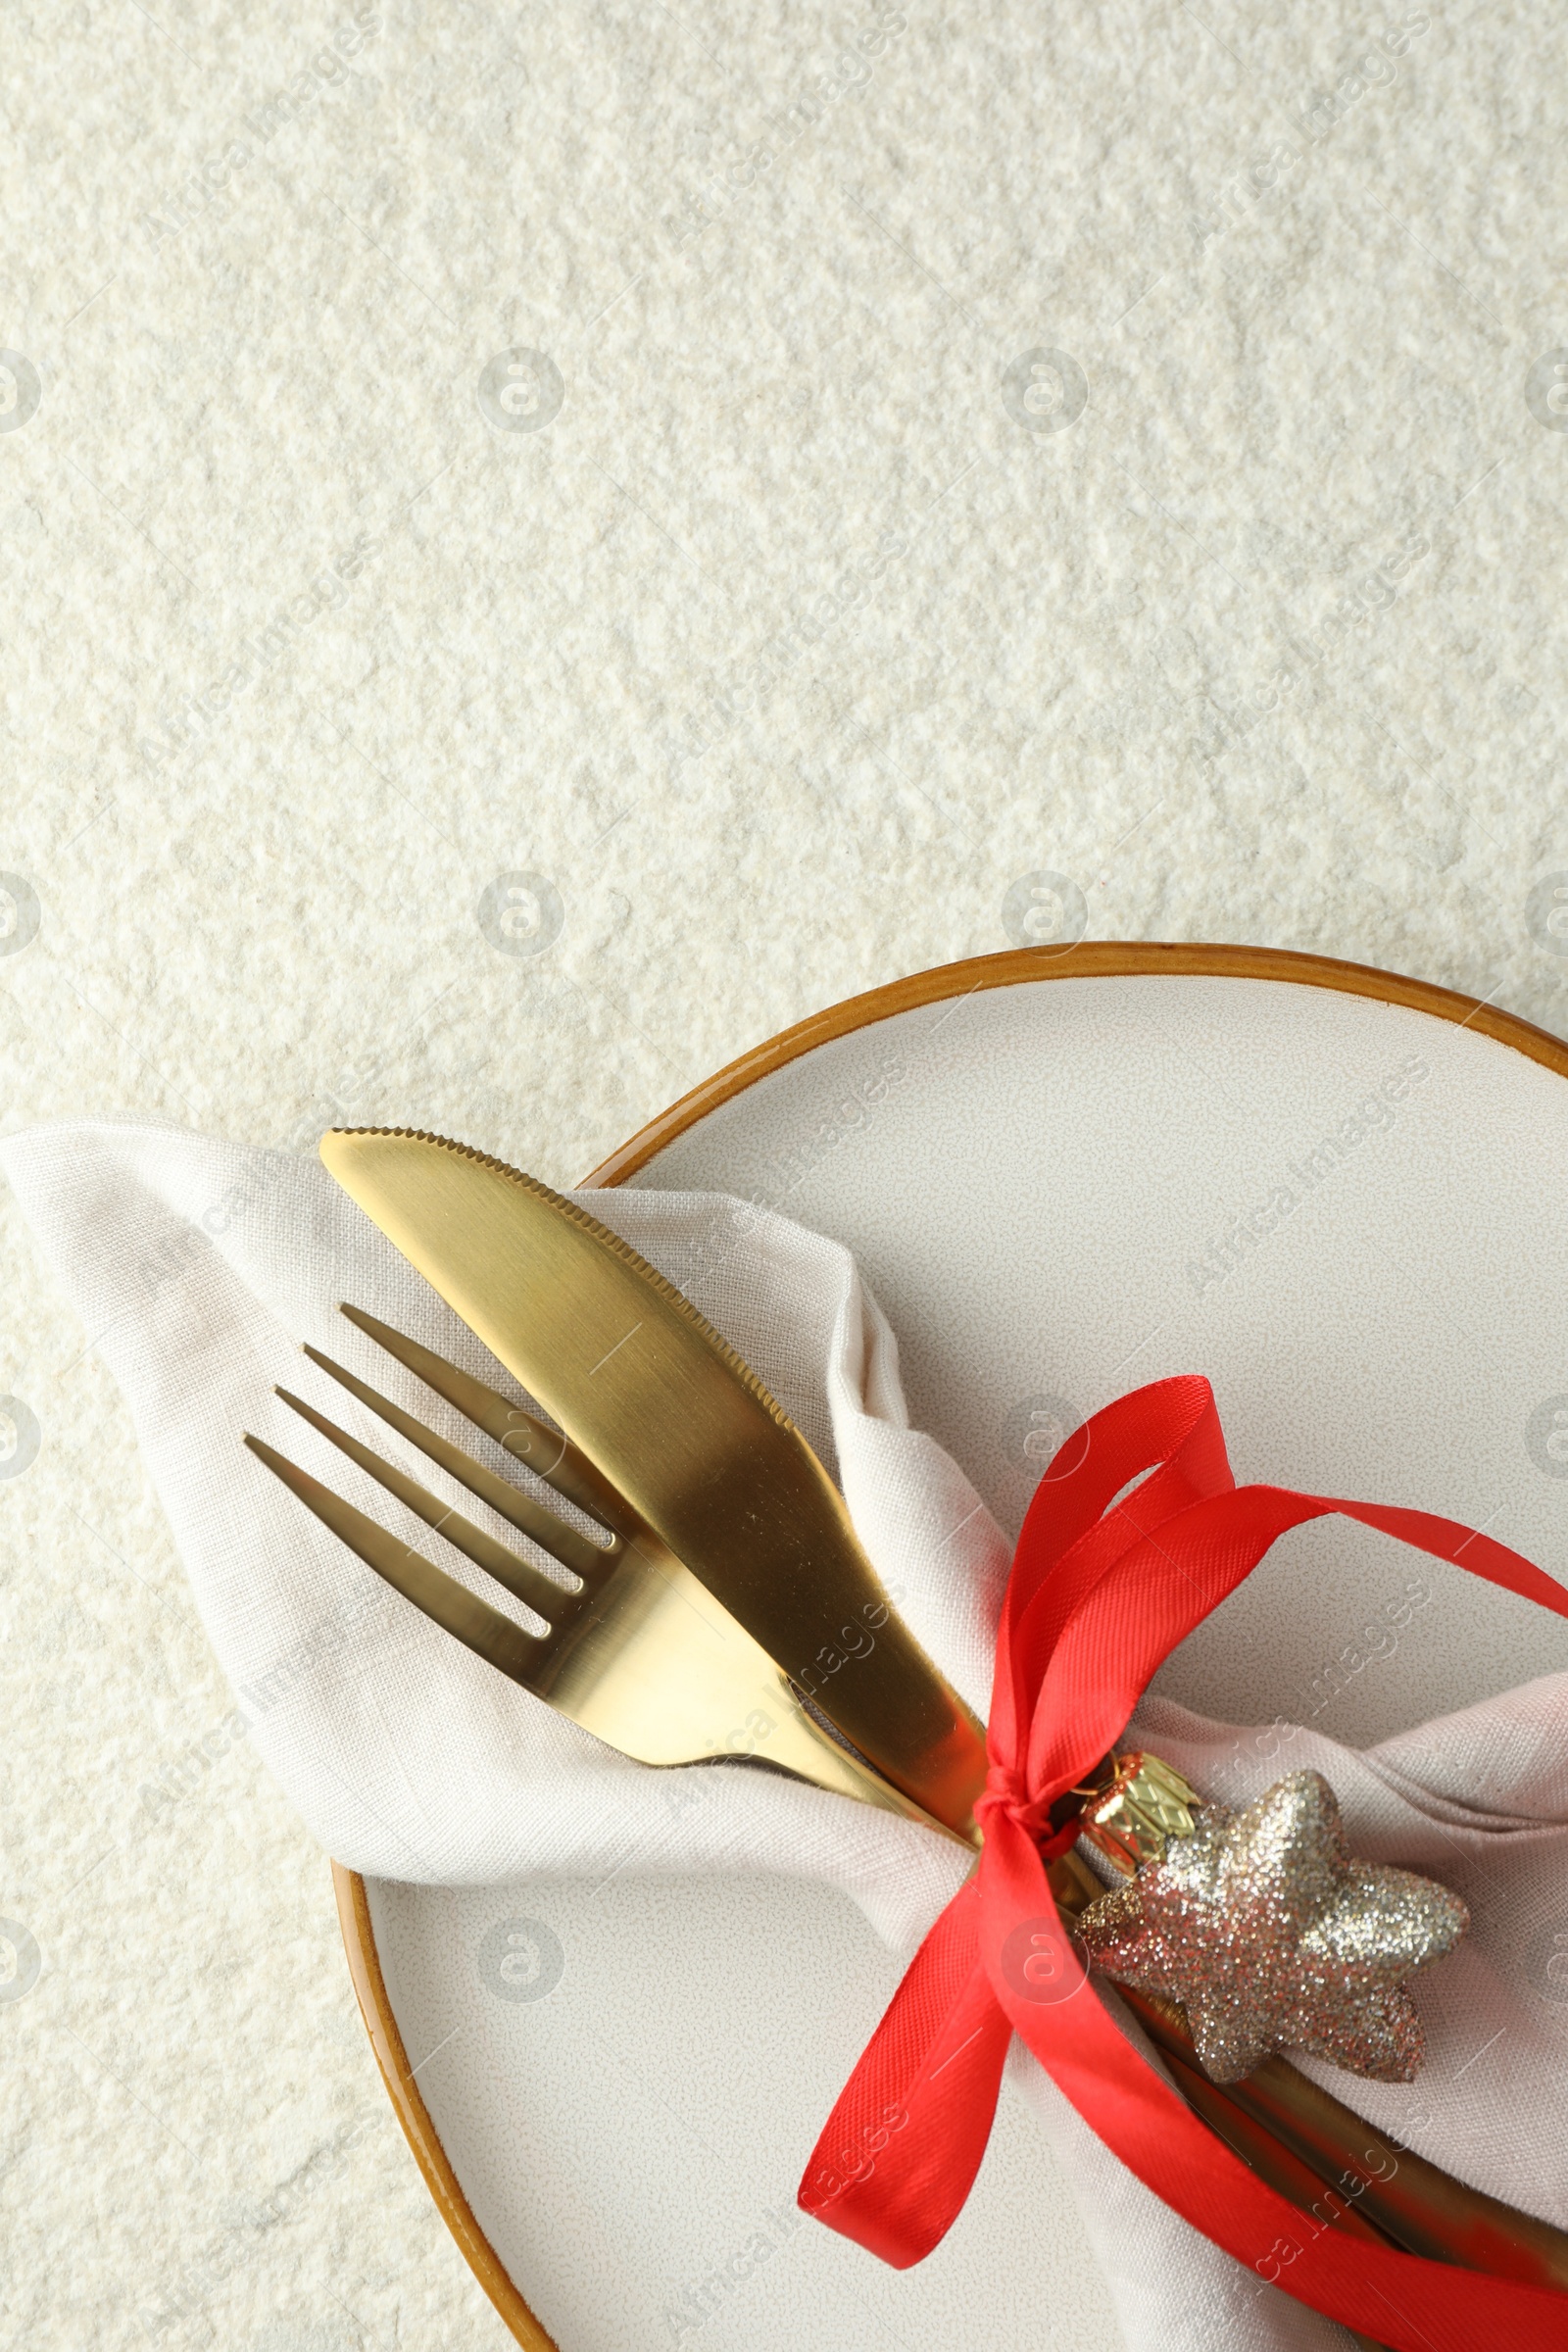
pixel 685 1430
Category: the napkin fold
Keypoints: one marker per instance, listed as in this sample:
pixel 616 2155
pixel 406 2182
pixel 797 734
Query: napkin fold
pixel 198 1267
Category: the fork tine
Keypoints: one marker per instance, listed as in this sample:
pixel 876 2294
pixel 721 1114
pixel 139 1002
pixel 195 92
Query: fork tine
pixel 457 1612
pixel 552 1602
pixel 550 1456
pixel 585 1558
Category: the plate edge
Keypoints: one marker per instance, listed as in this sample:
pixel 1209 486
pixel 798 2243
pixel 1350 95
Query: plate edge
pixel 419 2126
pixel 1089 959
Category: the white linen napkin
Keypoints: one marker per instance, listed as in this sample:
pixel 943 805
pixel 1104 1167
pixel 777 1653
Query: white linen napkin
pixel 199 1267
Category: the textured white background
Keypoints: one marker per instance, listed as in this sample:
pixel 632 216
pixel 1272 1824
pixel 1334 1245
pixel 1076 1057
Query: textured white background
pixel 777 657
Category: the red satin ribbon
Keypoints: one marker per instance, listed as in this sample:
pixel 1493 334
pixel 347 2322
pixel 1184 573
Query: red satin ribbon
pixel 1100 1593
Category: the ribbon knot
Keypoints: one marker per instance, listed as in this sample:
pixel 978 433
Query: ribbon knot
pixel 1100 1592
pixel 1003 1794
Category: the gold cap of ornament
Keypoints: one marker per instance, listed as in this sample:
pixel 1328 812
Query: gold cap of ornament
pixel 1133 1808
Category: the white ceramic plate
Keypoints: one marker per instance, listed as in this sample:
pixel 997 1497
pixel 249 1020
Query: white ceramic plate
pixel 1044 1204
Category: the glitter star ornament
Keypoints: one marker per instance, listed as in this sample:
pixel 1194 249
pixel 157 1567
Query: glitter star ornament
pixel 1271 1937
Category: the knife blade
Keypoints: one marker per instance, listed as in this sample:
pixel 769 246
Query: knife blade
pixel 666 1410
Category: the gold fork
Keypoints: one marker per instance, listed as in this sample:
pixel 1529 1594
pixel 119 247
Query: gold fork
pixel 634 1649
